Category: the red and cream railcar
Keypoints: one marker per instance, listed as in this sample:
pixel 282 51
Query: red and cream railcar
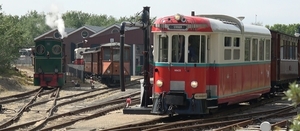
pixel 103 63
pixel 205 61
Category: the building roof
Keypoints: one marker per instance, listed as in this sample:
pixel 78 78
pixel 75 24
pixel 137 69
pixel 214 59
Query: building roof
pixel 112 26
pixel 94 29
pixel 68 30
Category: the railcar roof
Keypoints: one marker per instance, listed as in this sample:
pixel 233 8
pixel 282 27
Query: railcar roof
pixel 113 44
pixel 92 50
pixel 223 26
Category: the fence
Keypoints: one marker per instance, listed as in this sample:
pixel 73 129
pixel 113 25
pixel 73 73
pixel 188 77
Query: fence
pixel 75 71
pixel 23 61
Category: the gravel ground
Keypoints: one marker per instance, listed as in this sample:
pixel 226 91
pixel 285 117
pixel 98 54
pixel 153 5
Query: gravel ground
pixel 111 119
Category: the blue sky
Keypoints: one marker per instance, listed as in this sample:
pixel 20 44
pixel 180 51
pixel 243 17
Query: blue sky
pixel 268 12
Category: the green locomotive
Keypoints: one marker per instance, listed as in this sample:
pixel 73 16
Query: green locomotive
pixel 49 63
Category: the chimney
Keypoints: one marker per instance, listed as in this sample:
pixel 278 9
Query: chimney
pixel 193 13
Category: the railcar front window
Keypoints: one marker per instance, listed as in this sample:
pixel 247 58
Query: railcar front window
pixel 106 54
pixel 178 48
pixel 116 54
pixel 163 49
pixel 126 55
pixel 193 48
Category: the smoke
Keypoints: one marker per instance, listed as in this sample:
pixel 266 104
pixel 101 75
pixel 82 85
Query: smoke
pixel 54 20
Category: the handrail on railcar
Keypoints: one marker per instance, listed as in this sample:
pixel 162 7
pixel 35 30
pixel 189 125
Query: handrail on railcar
pixel 226 18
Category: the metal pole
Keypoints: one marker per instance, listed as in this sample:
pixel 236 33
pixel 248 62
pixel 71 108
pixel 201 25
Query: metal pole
pixel 122 31
pixel 147 85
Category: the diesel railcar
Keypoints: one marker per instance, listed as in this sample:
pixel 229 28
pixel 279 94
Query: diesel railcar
pixel 205 61
pixel 49 63
pixel 103 63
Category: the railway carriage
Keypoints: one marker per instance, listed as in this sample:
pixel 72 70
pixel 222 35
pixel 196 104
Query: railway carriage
pixel 49 63
pixel 285 65
pixel 204 61
pixel 103 63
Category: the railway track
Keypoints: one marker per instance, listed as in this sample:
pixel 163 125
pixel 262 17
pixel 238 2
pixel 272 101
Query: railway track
pixel 170 123
pixel 119 104
pixel 21 111
pixel 73 98
pixel 22 96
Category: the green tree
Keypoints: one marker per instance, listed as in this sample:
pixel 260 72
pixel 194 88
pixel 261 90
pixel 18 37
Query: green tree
pixel 11 37
pixel 287 29
pixel 293 94
pixel 33 25
pixel 75 19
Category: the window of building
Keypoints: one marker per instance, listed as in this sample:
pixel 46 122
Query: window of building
pixel 84 34
pixel 57 35
pixel 247 49
pixel 115 31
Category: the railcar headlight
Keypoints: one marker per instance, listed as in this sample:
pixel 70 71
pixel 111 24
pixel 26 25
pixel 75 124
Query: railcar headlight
pixel 40 70
pixel 194 84
pixel 56 70
pixel 177 17
pixel 159 83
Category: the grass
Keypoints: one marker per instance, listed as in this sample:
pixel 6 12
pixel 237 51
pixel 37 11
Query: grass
pixel 19 76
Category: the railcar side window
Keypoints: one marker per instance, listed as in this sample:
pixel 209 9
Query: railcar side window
pixel 247 49
pixel 227 41
pixel 236 50
pixel 268 49
pixel 227 54
pixel 194 48
pixel 227 51
pixel 261 49
pixel 236 42
pixel 178 48
pixel 254 49
pixel 236 54
pixel 163 49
